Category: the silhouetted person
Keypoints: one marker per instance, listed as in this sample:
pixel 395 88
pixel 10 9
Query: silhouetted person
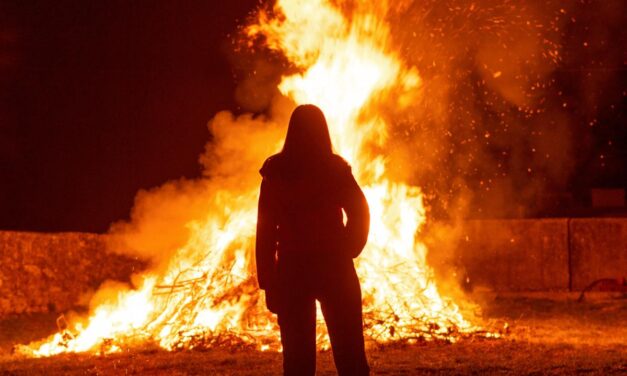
pixel 305 252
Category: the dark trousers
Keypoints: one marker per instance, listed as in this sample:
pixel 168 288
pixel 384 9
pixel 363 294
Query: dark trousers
pixel 339 294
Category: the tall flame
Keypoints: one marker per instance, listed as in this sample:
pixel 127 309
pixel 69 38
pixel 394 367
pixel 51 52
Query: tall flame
pixel 208 292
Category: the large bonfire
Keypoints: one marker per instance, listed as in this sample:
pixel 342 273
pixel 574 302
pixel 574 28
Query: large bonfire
pixel 206 293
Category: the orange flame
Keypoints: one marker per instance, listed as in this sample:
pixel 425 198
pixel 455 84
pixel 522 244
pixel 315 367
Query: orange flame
pixel 208 290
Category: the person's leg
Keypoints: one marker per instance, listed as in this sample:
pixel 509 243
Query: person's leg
pixel 297 320
pixel 341 307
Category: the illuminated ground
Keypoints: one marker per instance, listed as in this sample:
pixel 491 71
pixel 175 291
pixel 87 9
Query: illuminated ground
pixel 548 335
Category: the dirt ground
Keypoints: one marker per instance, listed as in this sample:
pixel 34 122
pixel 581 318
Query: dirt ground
pixel 549 334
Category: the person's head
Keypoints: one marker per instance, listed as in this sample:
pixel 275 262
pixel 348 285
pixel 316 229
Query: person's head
pixel 307 134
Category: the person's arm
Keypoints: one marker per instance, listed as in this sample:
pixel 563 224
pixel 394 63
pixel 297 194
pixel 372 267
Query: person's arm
pixel 265 249
pixel 357 214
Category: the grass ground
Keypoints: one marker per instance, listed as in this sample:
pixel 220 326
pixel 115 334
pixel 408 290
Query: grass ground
pixel 548 335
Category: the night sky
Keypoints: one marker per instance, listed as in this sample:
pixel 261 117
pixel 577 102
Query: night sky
pixel 103 98
pixel 100 99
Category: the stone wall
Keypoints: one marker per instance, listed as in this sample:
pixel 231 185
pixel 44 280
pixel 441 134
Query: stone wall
pixel 598 249
pixel 54 272
pixel 543 254
pixel 513 255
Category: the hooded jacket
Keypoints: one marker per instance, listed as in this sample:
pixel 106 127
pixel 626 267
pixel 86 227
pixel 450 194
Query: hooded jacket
pixel 300 214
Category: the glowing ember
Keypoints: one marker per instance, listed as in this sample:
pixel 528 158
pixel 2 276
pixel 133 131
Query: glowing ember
pixel 206 293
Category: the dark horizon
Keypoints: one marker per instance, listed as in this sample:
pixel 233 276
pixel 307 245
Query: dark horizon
pixel 103 99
